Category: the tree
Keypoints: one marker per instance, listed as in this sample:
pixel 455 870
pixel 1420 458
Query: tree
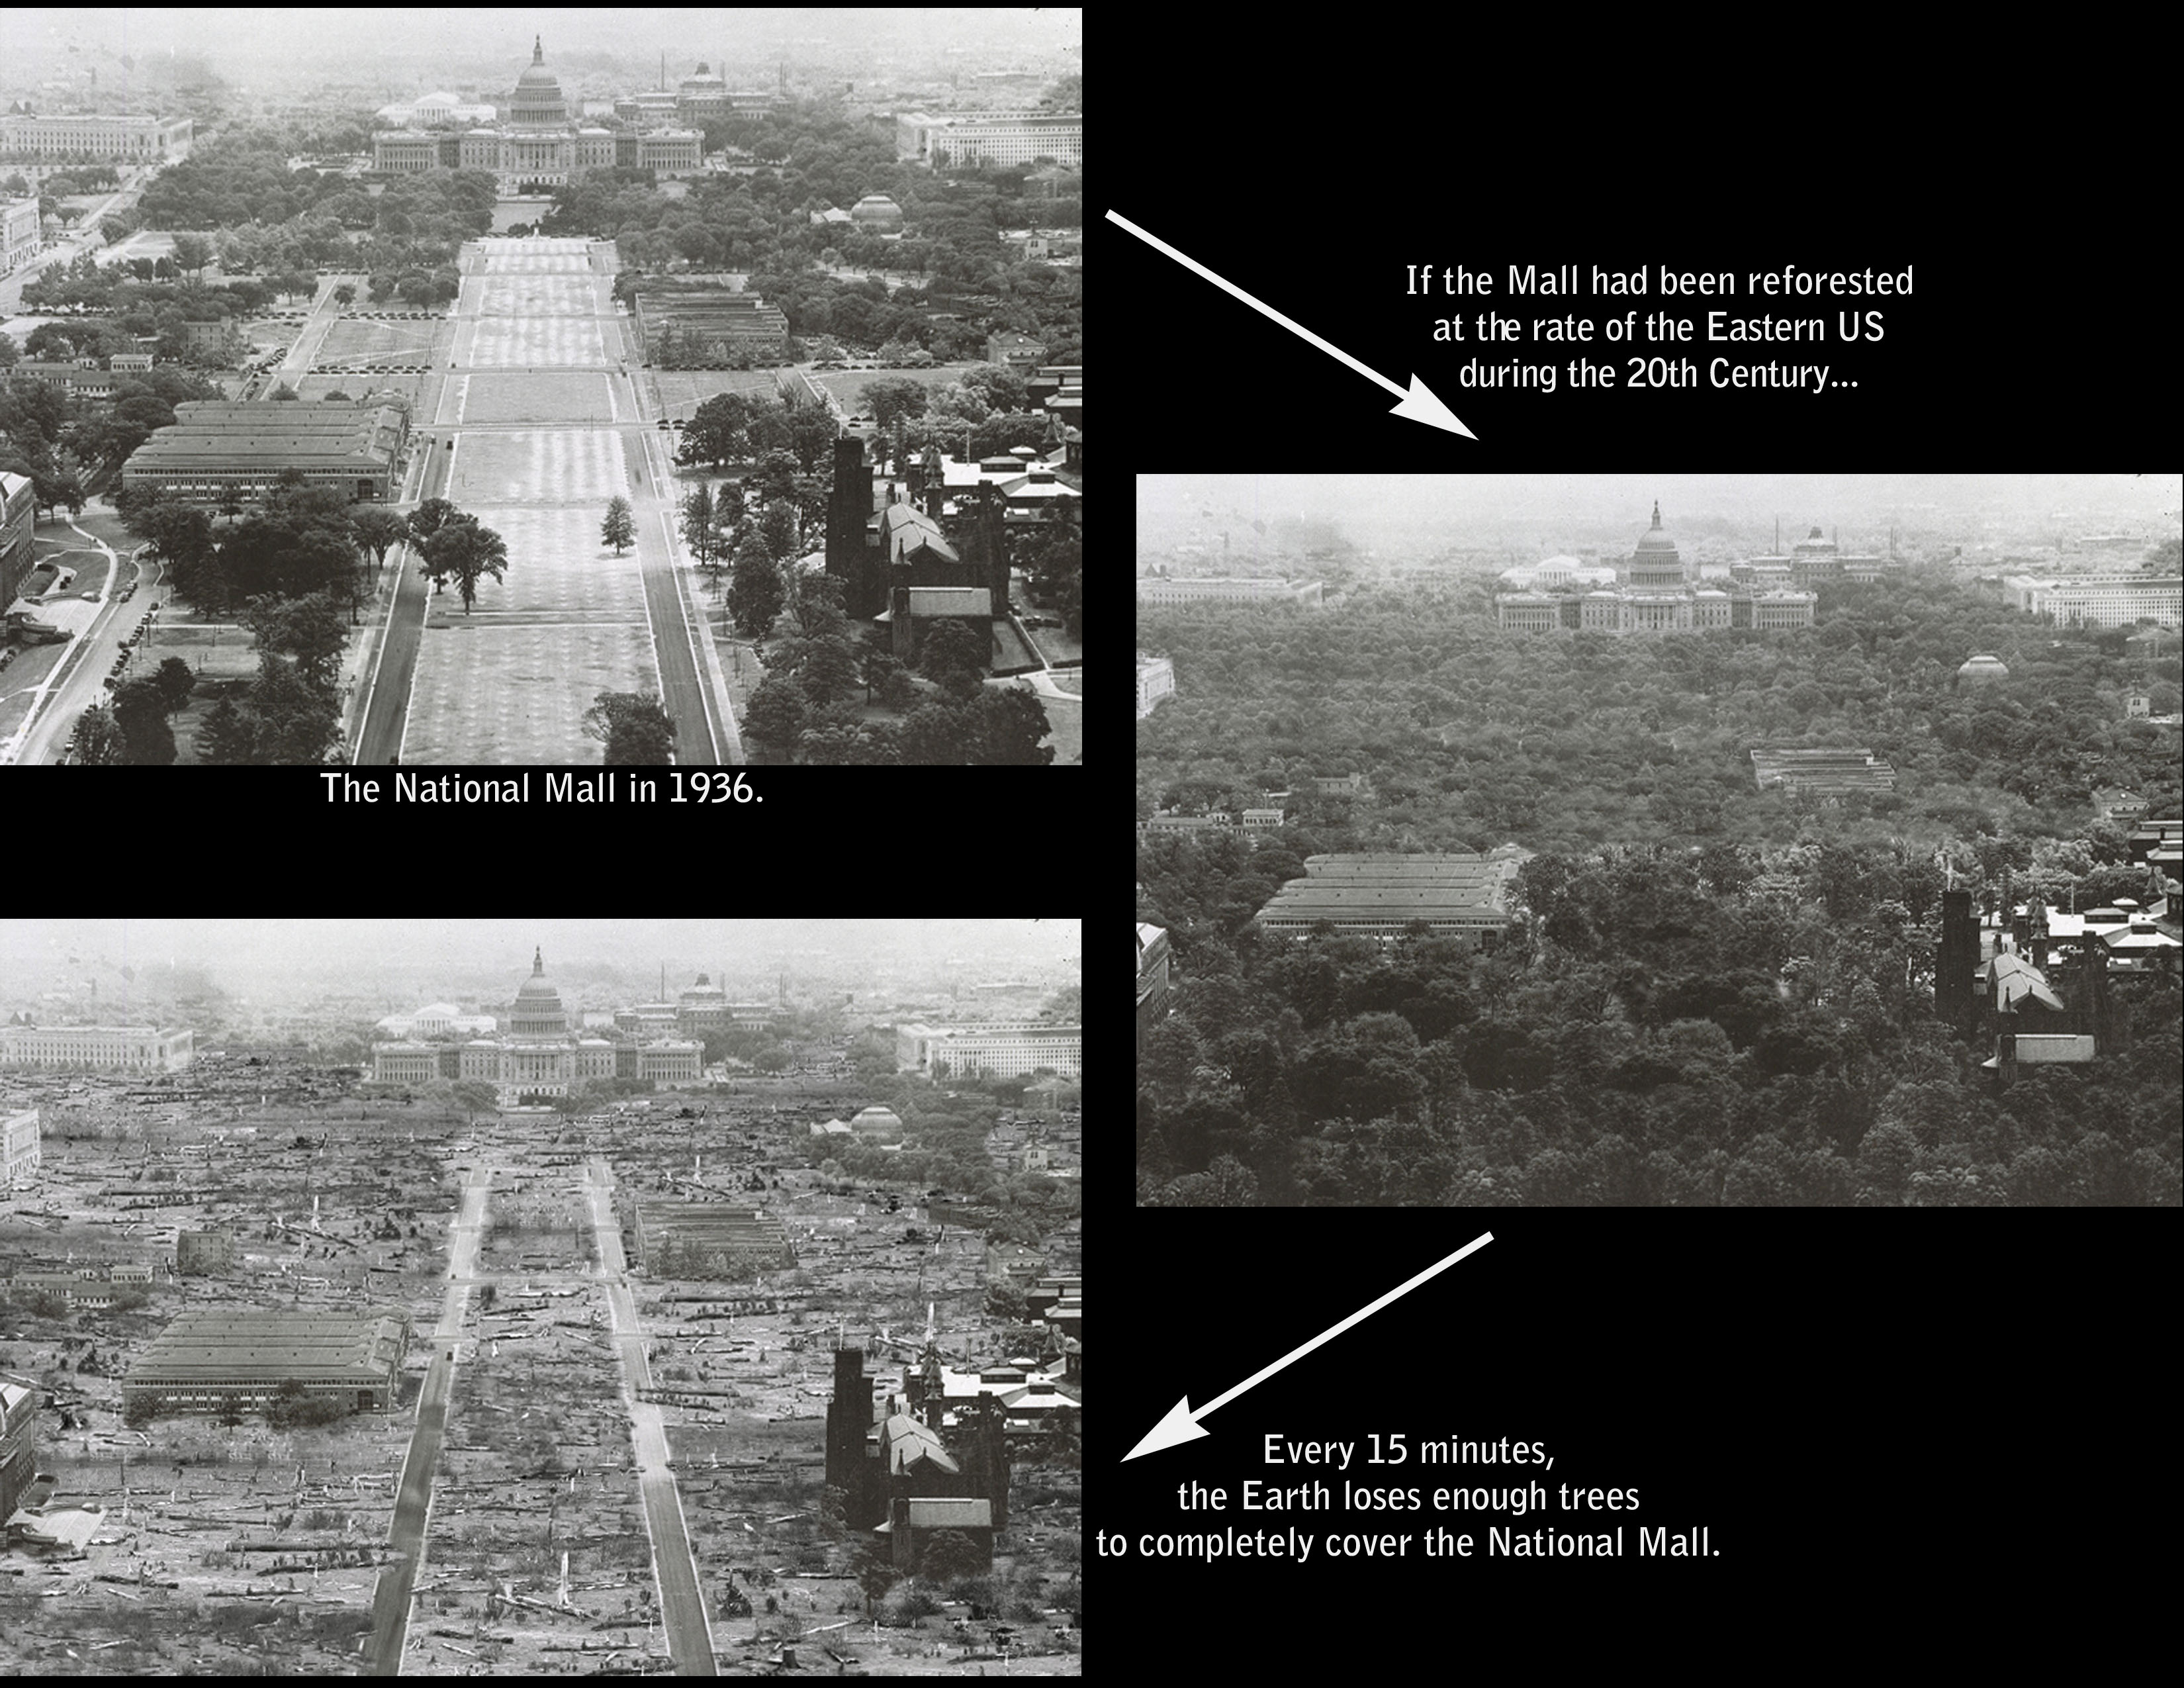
pixel 309 629
pixel 718 433
pixel 619 530
pixel 193 253
pixel 345 293
pixel 429 517
pixel 699 532
pixel 1009 721
pixel 893 397
pixel 777 713
pixel 465 552
pixel 632 726
pixel 97 740
pixel 140 711
pixel 378 530
pixel 953 649
pixel 755 595
pixel 175 683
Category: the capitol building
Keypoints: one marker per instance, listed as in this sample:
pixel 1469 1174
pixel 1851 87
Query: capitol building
pixel 536 144
pixel 1656 591
pixel 536 1057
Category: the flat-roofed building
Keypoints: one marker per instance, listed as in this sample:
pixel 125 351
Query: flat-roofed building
pixel 2097 601
pixel 1381 895
pixel 19 233
pixel 1002 1050
pixel 1153 979
pixel 18 1435
pixel 1155 681
pixel 94 137
pixel 1828 772
pixel 128 1048
pixel 1250 589
pixel 995 137
pixel 19 1139
pixel 213 445
pixel 217 1357
pixel 18 522
pixel 710 1240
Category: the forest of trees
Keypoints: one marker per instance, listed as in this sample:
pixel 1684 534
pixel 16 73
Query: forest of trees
pixel 1729 1025
pixel 1470 736
pixel 1709 995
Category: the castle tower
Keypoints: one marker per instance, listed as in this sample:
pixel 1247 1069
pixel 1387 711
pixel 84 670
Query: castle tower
pixel 1956 958
pixel 849 510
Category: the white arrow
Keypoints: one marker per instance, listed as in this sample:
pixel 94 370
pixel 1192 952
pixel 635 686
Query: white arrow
pixel 1419 403
pixel 1182 1425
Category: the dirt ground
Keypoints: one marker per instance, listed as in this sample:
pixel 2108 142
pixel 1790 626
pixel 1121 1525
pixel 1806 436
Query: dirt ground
pixel 243 1549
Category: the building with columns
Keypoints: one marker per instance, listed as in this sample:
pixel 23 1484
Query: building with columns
pixel 1656 591
pixel 538 1056
pixel 537 143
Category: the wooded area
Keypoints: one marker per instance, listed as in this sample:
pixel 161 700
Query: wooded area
pixel 1709 995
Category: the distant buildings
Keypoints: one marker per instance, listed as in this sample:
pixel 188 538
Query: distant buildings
pixel 1152 980
pixel 99 1048
pixel 212 1359
pixel 19 1142
pixel 18 522
pixel 438 1019
pixel 1656 593
pixel 1255 589
pixel 2097 601
pixel 1982 670
pixel 537 1059
pixel 1155 681
pixel 19 233
pixel 1003 1049
pixel 1829 772
pixel 94 139
pixel 535 143
pixel 19 1444
pixel 996 137
pixel 1383 896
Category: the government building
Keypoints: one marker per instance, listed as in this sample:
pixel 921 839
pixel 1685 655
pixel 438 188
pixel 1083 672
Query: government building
pixel 125 1049
pixel 537 144
pixel 1655 593
pixel 2098 601
pixel 1002 1050
pixel 537 1058
pixel 990 137
pixel 102 140
pixel 19 1141
pixel 1227 589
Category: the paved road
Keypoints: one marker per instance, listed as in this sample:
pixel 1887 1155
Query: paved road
pixel 78 681
pixel 390 1606
pixel 681 1602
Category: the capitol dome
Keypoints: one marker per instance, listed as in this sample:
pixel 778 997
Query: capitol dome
pixel 1655 539
pixel 537 102
pixel 1982 669
pixel 538 1012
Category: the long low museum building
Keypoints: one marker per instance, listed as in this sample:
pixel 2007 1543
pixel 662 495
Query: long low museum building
pixel 1378 895
pixel 211 1358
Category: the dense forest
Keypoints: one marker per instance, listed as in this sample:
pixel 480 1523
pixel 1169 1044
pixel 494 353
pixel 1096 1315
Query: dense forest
pixel 1709 995
pixel 1687 1027
pixel 1470 736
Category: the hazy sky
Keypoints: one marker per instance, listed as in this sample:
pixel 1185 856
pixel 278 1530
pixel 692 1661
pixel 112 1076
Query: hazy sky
pixel 241 41
pixel 238 951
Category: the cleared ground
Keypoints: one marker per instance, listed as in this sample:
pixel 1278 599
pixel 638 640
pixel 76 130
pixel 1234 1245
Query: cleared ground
pixel 539 342
pixel 355 343
pixel 562 396
pixel 679 392
pixel 517 691
pixel 563 467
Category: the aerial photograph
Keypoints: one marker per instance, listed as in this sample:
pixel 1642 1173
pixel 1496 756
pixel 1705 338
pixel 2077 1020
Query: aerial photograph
pixel 491 388
pixel 1669 841
pixel 512 1298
